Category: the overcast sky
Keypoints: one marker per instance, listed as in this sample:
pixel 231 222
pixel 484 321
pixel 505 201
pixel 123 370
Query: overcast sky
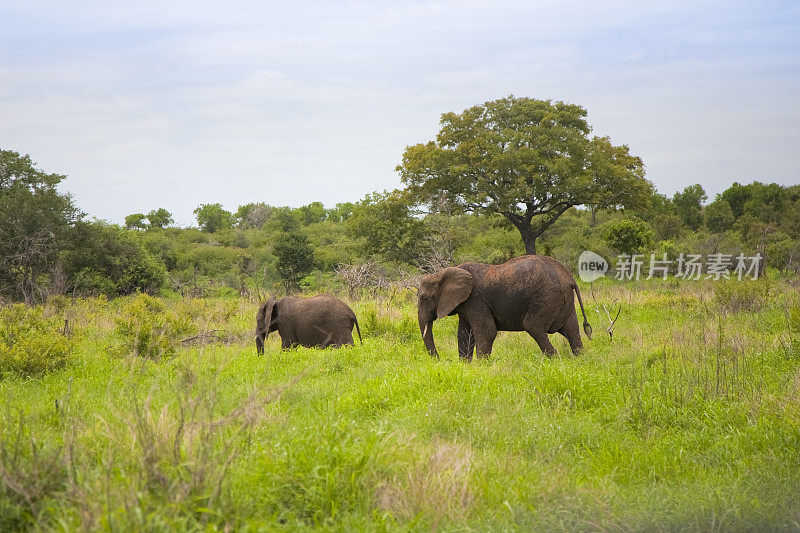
pixel 173 104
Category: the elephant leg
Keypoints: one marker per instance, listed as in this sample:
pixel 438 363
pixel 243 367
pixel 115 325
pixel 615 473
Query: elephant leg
pixel 285 343
pixel 466 340
pixel 572 332
pixel 484 335
pixel 536 329
pixel 543 341
pixel 343 340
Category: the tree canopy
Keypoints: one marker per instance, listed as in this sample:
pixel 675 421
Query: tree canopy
pixel 135 221
pixel 34 219
pixel 213 217
pixel 159 218
pixel 294 258
pixel 689 205
pixel 528 160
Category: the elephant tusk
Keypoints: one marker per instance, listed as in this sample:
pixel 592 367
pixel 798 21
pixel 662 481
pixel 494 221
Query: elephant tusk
pixel 425 331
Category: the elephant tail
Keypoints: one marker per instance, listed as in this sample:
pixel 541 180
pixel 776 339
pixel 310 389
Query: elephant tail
pixel 586 327
pixel 358 329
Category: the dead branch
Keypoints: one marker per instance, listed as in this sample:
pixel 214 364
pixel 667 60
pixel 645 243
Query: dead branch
pixel 204 336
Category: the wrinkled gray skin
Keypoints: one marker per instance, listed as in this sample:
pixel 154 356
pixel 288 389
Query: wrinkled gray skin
pixel 531 293
pixel 316 322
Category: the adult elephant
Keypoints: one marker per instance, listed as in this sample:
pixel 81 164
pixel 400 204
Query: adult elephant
pixel 316 322
pixel 531 293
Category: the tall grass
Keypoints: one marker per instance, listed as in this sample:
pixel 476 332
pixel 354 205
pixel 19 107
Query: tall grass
pixel 687 418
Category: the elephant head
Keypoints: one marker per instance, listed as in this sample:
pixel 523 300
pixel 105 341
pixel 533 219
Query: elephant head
pixel 265 319
pixel 439 294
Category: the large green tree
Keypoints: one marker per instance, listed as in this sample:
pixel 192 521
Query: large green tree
pixel 135 221
pixel 34 222
pixel 689 205
pixel 526 159
pixel 159 218
pixel 295 258
pixel 213 217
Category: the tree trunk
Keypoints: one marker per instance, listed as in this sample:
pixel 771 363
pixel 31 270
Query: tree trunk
pixel 530 245
pixel 528 237
pixel 526 230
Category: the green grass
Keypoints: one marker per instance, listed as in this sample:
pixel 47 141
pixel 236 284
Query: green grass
pixel 689 418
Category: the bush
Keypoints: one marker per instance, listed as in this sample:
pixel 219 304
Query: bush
pixel 209 260
pixel 629 236
pixel 104 259
pixel 147 329
pixel 30 344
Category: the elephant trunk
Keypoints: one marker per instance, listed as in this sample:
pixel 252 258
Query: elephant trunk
pixel 426 328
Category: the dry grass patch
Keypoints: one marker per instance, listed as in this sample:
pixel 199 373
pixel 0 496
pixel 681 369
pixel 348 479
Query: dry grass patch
pixel 437 486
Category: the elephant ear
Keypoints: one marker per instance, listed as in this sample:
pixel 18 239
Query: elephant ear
pixel 456 286
pixel 264 316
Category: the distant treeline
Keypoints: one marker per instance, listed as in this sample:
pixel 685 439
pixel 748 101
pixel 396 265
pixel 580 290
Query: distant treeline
pixel 49 247
pixel 512 176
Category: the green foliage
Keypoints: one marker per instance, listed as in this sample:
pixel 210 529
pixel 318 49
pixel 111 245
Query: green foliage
pixel 385 225
pixel 689 205
pixel 104 259
pixel 159 218
pixel 340 212
pixel 30 343
pixel 768 203
pixel 668 227
pixel 146 328
pixel 209 260
pixel 34 224
pixel 528 160
pixel 283 219
pixel 783 253
pixel 295 258
pixel 135 221
pixel 331 245
pixel 736 196
pixel 163 246
pixel 629 236
pixel 312 213
pixel 212 218
pixel 253 215
pixel 719 216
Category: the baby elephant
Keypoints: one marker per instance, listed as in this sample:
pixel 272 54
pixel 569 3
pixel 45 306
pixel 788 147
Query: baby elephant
pixel 316 322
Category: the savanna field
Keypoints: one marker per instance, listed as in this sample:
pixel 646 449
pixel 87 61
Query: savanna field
pixel 156 414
